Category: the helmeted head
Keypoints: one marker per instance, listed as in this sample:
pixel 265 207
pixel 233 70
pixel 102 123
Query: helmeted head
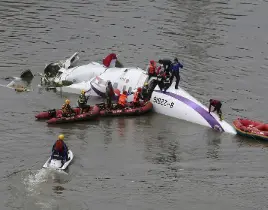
pixel 160 61
pixel 152 62
pixel 67 101
pixel 61 137
pixel 109 82
pixel 145 84
pixel 125 92
pixel 210 100
pixel 139 89
pixel 82 91
pixel 176 60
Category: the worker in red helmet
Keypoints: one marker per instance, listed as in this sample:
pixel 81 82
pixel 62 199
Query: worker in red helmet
pixel 217 107
pixel 137 97
pixel 151 69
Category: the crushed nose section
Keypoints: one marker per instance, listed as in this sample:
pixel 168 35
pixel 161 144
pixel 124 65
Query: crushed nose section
pixel 52 69
pixel 27 75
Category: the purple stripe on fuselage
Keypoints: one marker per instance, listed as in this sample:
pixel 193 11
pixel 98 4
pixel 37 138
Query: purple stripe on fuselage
pixel 205 114
pixel 101 94
pixel 97 91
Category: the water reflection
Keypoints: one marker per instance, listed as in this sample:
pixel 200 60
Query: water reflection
pixel 121 127
pixel 246 142
pixel 144 121
pixel 107 130
pixel 164 149
pixel 213 140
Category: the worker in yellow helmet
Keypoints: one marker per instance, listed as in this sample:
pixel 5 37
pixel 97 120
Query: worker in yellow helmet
pixel 67 110
pixel 60 148
pixel 82 102
pixel 145 92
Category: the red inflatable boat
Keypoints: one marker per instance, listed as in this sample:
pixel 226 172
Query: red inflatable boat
pixel 252 129
pixel 53 113
pixel 91 115
pixel 130 110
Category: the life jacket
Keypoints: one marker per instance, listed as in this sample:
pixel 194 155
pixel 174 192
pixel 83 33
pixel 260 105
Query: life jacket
pixel 82 99
pixel 66 108
pixel 145 90
pixel 163 74
pixel 152 68
pixel 158 70
pixel 59 146
pixel 136 97
pixel 122 100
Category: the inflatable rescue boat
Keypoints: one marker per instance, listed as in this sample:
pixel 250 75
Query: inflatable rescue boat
pixel 46 115
pixel 91 115
pixel 251 129
pixel 130 110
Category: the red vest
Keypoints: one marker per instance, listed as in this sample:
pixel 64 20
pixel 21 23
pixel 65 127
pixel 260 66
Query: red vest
pixel 122 100
pixel 152 68
pixel 214 102
pixel 59 146
pixel 136 97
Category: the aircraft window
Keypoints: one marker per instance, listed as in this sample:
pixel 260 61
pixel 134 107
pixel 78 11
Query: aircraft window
pixel 129 89
pixel 115 85
pixel 124 88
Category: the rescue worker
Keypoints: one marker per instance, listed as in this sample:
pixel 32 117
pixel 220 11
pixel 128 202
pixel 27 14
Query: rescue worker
pixel 163 81
pixel 176 72
pixel 137 97
pixel 151 69
pixel 109 94
pixel 60 148
pixel 82 102
pixel 122 100
pixel 160 80
pixel 167 65
pixel 67 110
pixel 145 92
pixel 217 107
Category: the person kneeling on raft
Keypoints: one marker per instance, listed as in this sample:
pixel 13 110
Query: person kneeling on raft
pixel 82 102
pixel 67 110
pixel 217 107
pixel 60 148
pixel 137 97
pixel 122 100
